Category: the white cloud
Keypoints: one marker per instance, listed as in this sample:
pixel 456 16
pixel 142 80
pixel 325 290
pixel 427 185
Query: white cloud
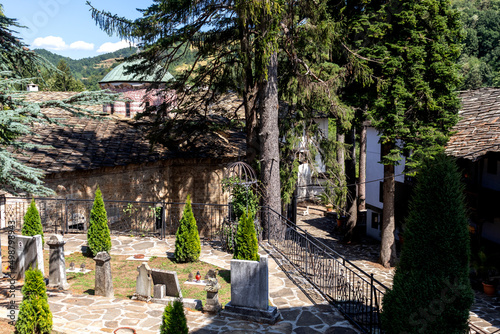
pixel 111 47
pixel 50 42
pixel 81 45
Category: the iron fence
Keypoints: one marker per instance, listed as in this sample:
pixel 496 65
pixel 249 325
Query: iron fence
pixel 124 217
pixel 355 293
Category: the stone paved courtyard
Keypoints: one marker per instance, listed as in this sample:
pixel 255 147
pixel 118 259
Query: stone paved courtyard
pixel 301 312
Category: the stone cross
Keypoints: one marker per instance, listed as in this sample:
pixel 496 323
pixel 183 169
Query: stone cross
pixel 57 263
pixel 103 279
pixel 143 283
pixel 28 254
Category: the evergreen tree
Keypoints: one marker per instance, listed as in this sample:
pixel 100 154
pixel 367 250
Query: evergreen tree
pixel 18 65
pixel 431 291
pixel 174 319
pixel 63 80
pixel 32 222
pixel 241 42
pixel 416 102
pixel 247 245
pixel 34 313
pixel 187 239
pixel 98 235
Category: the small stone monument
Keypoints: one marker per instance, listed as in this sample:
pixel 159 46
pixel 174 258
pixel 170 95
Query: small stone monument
pixel 212 288
pixel 143 283
pixel 169 280
pixel 166 289
pixel 28 254
pixel 103 279
pixel 250 292
pixel 57 263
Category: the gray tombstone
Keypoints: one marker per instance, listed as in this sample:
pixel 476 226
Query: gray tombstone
pixel 57 263
pixel 28 254
pixel 143 283
pixel 250 292
pixel 169 279
pixel 249 283
pixel 103 279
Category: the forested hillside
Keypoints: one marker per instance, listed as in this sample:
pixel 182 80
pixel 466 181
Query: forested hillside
pixel 91 70
pixel 480 59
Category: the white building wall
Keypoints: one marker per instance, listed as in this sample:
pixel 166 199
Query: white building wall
pixel 374 177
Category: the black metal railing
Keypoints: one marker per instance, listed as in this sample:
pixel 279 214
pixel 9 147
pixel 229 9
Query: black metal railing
pixel 357 294
pixel 124 217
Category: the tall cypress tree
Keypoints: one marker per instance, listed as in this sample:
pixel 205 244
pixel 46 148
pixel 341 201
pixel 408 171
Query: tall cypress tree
pixel 98 235
pixel 416 102
pixel 174 319
pixel 431 291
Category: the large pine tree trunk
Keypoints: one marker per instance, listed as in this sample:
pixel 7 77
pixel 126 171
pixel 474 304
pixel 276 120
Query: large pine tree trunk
pixel 362 170
pixel 269 144
pixel 352 203
pixel 388 246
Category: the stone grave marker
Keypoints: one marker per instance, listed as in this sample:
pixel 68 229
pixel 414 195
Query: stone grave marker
pixel 212 288
pixel 57 263
pixel 250 291
pixel 143 283
pixel 169 280
pixel 28 254
pixel 103 279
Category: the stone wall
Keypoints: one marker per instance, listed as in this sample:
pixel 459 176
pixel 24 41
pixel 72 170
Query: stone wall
pixel 168 180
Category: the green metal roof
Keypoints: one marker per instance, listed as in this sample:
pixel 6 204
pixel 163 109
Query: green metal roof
pixel 118 75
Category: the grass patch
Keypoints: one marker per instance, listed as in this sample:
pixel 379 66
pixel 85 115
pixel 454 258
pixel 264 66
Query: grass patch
pixel 125 273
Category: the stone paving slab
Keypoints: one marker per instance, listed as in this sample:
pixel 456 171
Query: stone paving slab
pixel 94 314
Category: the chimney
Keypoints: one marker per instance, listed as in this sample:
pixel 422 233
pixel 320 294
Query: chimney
pixel 31 87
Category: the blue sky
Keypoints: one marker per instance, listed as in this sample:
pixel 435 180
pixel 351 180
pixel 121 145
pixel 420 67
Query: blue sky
pixel 66 27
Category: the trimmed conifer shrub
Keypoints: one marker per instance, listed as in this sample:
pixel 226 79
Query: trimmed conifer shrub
pixel 431 290
pixel 98 235
pixel 247 245
pixel 32 222
pixel 174 320
pixel 187 238
pixel 34 312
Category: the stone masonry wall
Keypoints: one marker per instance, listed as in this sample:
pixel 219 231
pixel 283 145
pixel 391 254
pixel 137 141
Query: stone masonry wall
pixel 169 180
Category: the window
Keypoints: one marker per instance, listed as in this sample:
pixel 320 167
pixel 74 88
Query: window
pixel 127 109
pixel 111 108
pixel 492 165
pixel 375 220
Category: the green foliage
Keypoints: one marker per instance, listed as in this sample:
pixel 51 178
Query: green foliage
pixel 18 117
pixel 431 291
pixel 174 320
pixel 98 235
pixel 32 222
pixel 417 102
pixel 187 239
pixel 34 311
pixel 243 196
pixel 63 81
pixel 247 245
pixel 480 57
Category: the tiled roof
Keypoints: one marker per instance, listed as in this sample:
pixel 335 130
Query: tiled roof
pixel 118 74
pixel 88 143
pixel 478 129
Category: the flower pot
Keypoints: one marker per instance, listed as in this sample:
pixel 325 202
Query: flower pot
pixel 489 289
pixel 329 208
